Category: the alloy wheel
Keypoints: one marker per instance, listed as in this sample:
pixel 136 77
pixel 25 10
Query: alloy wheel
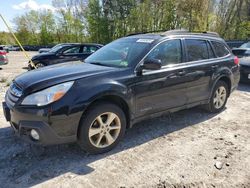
pixel 220 97
pixel 39 65
pixel 104 130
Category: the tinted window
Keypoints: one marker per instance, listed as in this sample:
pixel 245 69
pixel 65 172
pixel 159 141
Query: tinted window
pixel 210 51
pixel 89 49
pixel 73 50
pixel 220 49
pixel 168 52
pixel 197 49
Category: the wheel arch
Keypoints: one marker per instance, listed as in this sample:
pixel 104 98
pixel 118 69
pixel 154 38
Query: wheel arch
pixel 225 78
pixel 110 98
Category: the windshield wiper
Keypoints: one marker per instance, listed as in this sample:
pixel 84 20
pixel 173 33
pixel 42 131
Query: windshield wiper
pixel 98 63
pixel 103 64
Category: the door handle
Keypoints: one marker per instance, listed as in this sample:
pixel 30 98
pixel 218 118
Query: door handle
pixel 181 73
pixel 170 76
pixel 215 66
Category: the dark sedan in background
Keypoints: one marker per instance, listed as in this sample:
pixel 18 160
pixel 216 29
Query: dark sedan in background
pixel 64 53
pixel 245 69
pixel 242 51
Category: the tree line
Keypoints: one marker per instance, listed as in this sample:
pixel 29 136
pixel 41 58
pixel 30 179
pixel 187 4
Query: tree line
pixel 102 21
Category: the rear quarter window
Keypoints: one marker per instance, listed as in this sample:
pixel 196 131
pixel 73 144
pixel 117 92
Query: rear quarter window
pixel 220 49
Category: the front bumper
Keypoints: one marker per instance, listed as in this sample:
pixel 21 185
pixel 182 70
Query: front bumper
pixel 23 123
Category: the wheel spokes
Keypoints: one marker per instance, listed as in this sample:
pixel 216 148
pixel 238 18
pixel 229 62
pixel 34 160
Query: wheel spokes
pixel 220 97
pixel 109 138
pixel 104 130
pixel 98 141
pixel 110 118
pixel 99 120
pixel 94 131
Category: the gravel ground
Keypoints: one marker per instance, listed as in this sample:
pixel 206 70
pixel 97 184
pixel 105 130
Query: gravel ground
pixel 184 149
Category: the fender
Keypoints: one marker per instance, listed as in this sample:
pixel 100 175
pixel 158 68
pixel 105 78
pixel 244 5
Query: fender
pixel 219 74
pixel 99 89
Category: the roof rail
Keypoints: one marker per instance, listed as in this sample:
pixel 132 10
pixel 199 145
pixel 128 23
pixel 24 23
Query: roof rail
pixel 179 31
pixel 145 32
pixel 211 33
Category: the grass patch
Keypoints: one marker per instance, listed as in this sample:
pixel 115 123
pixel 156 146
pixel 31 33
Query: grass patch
pixel 8 84
pixel 3 80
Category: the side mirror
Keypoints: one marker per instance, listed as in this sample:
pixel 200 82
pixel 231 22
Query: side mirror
pixel 152 64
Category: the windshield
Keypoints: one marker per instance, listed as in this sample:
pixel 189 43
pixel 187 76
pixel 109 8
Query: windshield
pixel 246 45
pixel 56 48
pixel 120 53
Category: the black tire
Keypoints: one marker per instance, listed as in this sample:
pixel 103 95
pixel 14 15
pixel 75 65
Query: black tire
pixel 211 107
pixel 90 117
pixel 40 65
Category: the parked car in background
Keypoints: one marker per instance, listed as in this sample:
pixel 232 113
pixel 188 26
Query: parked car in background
pixel 242 51
pixel 235 43
pixel 5 48
pixel 14 48
pixel 245 69
pixel 44 50
pixel 3 57
pixel 64 53
pixel 129 80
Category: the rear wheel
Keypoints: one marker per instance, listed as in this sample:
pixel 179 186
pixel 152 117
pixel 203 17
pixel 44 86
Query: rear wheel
pixel 101 128
pixel 219 97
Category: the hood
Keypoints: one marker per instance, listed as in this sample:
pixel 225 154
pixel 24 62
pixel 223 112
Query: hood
pixel 42 55
pixel 245 61
pixel 48 76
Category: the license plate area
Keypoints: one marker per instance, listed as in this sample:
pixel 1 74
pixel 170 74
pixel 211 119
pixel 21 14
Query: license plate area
pixel 248 76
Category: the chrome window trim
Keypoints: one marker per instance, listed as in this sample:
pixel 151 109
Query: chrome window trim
pixel 181 37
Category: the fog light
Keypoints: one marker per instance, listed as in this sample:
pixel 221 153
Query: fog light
pixel 34 134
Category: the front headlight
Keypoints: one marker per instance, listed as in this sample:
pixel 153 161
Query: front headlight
pixel 48 95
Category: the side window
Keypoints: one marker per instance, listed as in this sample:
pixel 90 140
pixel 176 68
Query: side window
pixel 168 52
pixel 89 49
pixel 196 49
pixel 72 50
pixel 210 51
pixel 220 49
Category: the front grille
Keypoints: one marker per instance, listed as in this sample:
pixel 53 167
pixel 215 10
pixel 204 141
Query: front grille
pixel 13 94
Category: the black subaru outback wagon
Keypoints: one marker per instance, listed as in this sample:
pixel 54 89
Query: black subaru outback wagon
pixel 126 81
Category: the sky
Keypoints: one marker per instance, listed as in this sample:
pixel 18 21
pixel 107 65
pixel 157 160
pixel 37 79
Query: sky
pixel 12 8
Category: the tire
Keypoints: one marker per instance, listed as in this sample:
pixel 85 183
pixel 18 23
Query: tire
pixel 40 65
pixel 95 130
pixel 215 105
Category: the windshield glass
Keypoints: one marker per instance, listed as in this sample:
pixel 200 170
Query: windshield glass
pixel 246 45
pixel 120 53
pixel 56 48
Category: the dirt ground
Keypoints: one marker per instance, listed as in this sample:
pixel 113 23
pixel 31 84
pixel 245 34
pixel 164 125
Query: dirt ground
pixel 177 150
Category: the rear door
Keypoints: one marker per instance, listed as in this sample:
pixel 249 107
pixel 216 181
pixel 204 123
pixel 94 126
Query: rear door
pixel 200 65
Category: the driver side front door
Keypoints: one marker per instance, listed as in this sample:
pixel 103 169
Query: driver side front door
pixel 160 90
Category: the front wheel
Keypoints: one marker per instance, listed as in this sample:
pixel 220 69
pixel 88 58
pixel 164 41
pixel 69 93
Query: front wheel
pixel 219 97
pixel 40 65
pixel 101 128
